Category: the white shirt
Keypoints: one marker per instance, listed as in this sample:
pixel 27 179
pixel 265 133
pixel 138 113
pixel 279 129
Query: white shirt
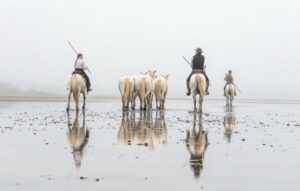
pixel 80 64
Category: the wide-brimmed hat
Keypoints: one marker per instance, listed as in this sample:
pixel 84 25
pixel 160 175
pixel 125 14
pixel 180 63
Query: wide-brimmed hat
pixel 198 50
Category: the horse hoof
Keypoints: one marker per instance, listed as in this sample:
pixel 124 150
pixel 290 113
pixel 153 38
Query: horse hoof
pixel 67 109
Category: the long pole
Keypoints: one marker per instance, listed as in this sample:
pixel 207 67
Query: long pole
pixel 72 47
pixel 186 61
pixel 77 53
pixel 237 88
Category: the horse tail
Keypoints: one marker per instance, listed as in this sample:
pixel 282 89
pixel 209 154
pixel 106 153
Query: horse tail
pixel 74 87
pixel 127 90
pixel 202 85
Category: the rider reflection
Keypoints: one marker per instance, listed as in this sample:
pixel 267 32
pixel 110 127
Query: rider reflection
pixel 78 137
pixel 229 123
pixel 196 144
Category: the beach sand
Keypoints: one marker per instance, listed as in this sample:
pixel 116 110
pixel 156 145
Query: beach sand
pixel 253 146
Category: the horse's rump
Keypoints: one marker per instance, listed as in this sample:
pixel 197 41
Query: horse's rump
pixel 77 85
pixel 198 83
pixel 229 89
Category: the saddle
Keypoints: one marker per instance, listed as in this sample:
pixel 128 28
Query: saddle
pixel 198 72
pixel 83 75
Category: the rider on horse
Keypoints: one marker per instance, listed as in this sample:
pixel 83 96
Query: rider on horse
pixel 197 66
pixel 79 69
pixel 229 80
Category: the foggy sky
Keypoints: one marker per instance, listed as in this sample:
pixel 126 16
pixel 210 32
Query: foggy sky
pixel 258 40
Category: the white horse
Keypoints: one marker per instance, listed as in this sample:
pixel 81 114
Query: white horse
pixel 126 87
pixel 229 93
pixel 198 87
pixel 144 88
pixel 152 74
pixel 161 90
pixel 76 86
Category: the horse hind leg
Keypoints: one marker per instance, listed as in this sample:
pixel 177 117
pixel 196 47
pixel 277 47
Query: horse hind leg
pixel 231 98
pixel 69 98
pixel 194 100
pixel 200 104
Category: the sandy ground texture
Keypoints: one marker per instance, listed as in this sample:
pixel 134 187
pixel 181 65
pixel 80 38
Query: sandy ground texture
pixel 251 147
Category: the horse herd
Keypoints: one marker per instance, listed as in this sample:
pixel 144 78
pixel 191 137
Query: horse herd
pixel 146 86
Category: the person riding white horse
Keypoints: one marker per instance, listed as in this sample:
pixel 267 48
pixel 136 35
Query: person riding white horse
pixel 229 88
pixel 229 80
pixel 197 82
pixel 78 83
pixel 197 66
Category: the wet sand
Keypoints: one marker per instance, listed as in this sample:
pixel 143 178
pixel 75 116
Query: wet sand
pixel 254 146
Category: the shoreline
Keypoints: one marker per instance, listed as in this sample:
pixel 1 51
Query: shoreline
pixel 113 98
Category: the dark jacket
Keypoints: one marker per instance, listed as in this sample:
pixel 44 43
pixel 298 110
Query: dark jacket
pixel 198 62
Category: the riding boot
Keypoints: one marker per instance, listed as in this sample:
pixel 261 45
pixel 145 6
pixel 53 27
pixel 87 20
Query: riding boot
pixel 188 93
pixel 207 92
pixel 88 83
pixel 207 82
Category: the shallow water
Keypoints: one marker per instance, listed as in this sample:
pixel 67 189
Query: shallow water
pixel 255 146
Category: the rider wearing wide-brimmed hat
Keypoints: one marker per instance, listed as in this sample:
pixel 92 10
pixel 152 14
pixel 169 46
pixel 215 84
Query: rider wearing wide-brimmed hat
pixel 197 66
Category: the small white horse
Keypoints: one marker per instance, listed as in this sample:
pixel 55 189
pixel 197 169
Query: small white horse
pixel 229 93
pixel 152 74
pixel 161 90
pixel 126 87
pixel 144 89
pixel 198 87
pixel 76 86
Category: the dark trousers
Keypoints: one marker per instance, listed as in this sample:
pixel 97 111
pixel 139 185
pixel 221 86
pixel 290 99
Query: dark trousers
pixel 83 74
pixel 189 78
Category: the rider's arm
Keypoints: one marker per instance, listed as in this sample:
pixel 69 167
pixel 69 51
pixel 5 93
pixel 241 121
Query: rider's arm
pixel 84 66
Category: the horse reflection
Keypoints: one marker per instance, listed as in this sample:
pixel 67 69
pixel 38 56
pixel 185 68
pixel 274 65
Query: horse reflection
pixel 78 137
pixel 126 131
pixel 196 143
pixel 160 128
pixel 143 132
pixel 229 122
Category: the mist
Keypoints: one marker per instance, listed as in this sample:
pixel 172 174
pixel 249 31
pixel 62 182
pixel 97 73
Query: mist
pixel 258 40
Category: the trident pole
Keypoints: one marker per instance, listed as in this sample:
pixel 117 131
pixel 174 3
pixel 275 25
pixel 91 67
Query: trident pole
pixel 77 53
